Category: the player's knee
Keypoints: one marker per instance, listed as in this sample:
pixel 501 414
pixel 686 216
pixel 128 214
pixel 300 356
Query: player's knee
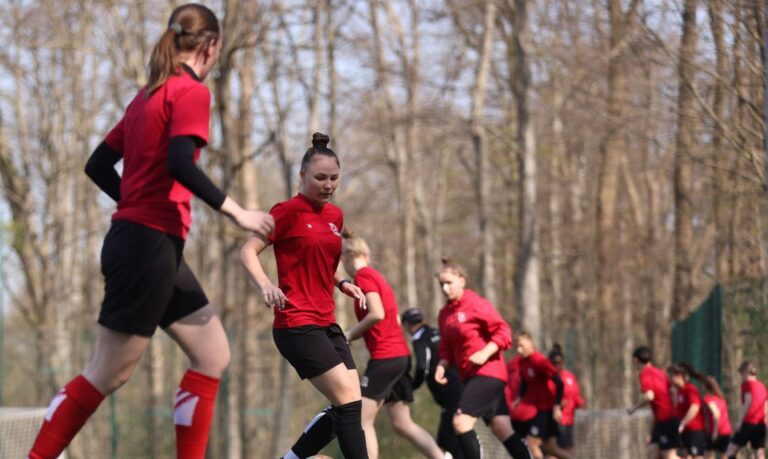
pixel 401 426
pixel 462 423
pixel 214 362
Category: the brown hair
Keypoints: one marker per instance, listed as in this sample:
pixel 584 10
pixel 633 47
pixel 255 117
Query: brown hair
pixel 353 244
pixel 190 27
pixel 451 266
pixel 748 367
pixel 709 382
pixel 319 147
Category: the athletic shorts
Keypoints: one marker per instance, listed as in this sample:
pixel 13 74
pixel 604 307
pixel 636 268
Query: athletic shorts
pixel 388 380
pixel 720 444
pixel 754 434
pixel 666 434
pixel 695 442
pixel 565 437
pixel 146 280
pixel 521 427
pixel 483 397
pixel 312 350
pixel 543 425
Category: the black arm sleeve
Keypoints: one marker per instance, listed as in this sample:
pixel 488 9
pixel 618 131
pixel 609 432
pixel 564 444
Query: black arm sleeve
pixel 100 168
pixel 420 349
pixel 523 388
pixel 558 388
pixel 181 166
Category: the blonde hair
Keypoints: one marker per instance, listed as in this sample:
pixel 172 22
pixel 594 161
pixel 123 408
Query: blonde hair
pixel 453 267
pixel 354 245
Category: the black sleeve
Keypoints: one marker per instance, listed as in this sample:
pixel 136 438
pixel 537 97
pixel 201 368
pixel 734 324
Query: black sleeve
pixel 181 166
pixel 558 388
pixel 420 349
pixel 100 168
pixel 523 388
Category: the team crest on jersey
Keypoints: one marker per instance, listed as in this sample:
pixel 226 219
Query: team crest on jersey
pixel 461 317
pixel 531 373
pixel 334 229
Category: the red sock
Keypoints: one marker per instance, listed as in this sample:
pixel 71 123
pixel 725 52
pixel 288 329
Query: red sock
pixel 193 414
pixel 66 415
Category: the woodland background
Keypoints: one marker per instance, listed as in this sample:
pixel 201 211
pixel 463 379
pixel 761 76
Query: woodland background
pixel 597 165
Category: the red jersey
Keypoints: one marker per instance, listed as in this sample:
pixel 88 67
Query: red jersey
pixel 724 426
pixel 756 412
pixel 307 242
pixel 655 380
pixel 385 339
pixel 572 398
pixel 524 411
pixel 148 193
pixel 466 326
pixel 537 371
pixel 686 396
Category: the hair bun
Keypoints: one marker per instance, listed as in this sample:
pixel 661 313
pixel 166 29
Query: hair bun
pixel 446 261
pixel 347 233
pixel 320 140
pixel 556 348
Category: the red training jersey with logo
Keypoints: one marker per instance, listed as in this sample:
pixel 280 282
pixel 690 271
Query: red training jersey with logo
pixel 385 339
pixel 148 193
pixel 686 396
pixel 655 380
pixel 524 411
pixel 537 371
pixel 466 326
pixel 307 244
pixel 724 426
pixel 572 398
pixel 756 412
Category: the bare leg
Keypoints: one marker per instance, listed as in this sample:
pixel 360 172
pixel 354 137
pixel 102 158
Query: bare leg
pixel 116 357
pixel 551 448
pixel 400 417
pixel 370 409
pixel 203 339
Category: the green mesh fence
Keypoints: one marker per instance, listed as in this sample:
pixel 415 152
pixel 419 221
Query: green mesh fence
pixel 698 339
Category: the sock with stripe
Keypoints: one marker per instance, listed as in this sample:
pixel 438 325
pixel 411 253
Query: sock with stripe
pixel 517 447
pixel 193 413
pixel 318 433
pixel 470 444
pixel 66 415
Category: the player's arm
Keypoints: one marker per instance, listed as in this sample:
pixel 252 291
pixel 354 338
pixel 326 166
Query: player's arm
pixel 442 366
pixel 374 316
pixel 249 255
pixel 646 398
pixel 100 168
pixel 715 418
pixel 557 410
pixel 348 288
pixel 420 350
pixel 693 410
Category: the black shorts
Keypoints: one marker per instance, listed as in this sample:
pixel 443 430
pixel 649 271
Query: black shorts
pixel 146 280
pixel 388 380
pixel 312 350
pixel 543 426
pixel 483 397
pixel 720 444
pixel 695 442
pixel 565 437
pixel 754 434
pixel 521 427
pixel 666 434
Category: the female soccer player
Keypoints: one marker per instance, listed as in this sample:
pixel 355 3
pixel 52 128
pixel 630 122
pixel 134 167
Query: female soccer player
pixel 752 422
pixel 690 413
pixel 655 386
pixel 426 348
pixel 147 281
pixel 387 380
pixel 307 244
pixel 473 335
pixel 716 421
pixel 537 372
pixel 520 413
pixel 572 399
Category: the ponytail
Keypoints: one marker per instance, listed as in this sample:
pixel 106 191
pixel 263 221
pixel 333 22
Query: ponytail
pixel 354 245
pixel 191 27
pixel 451 266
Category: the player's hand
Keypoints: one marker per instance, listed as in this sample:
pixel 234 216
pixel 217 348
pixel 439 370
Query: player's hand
pixel 255 220
pixel 680 428
pixel 478 358
pixel 440 375
pixel 515 403
pixel 273 296
pixel 353 291
pixel 557 413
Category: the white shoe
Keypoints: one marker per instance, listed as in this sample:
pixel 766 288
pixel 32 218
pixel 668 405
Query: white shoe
pixel 448 455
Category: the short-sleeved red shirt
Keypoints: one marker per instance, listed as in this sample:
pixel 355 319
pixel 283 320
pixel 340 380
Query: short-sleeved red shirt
pixel 385 339
pixel 756 412
pixel 686 396
pixel 572 398
pixel 307 243
pixel 655 380
pixel 523 411
pixel 148 193
pixel 536 370
pixel 724 427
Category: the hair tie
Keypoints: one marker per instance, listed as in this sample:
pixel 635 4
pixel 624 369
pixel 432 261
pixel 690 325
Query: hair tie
pixel 176 27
